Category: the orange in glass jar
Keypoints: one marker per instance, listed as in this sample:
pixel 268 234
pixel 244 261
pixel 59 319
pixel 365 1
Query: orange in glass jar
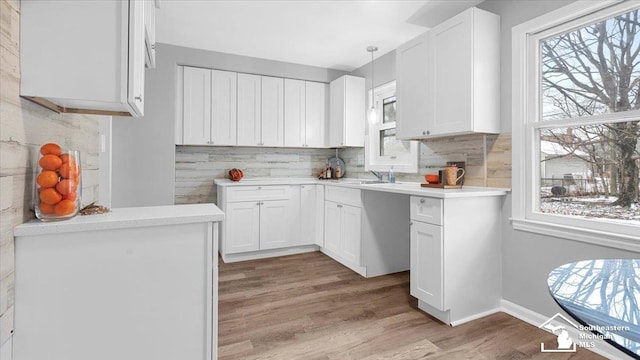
pixel 66 186
pixel 50 148
pixel 65 207
pixel 50 196
pixel 50 162
pixel 46 208
pixel 69 170
pixel 47 179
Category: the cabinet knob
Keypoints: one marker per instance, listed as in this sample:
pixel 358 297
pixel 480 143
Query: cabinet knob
pixel 259 187
pixel 153 46
pixel 421 201
pixel 258 203
pixel 426 132
pixel 210 142
pixel 411 223
pixel 339 205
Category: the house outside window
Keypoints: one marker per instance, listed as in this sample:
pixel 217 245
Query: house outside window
pixel 383 150
pixel 576 108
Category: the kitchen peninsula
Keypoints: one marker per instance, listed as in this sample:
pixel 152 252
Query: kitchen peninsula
pixel 135 283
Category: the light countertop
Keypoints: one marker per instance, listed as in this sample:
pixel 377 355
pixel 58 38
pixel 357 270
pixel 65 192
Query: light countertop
pixel 125 218
pixel 407 188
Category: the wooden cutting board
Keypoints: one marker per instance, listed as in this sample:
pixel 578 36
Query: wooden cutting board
pixel 441 186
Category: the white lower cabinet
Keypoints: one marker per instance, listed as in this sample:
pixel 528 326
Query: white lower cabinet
pixel 270 220
pixel 426 263
pixel 455 256
pixel 343 227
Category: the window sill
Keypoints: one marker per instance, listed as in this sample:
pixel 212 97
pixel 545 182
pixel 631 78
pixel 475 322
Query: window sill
pixel 617 241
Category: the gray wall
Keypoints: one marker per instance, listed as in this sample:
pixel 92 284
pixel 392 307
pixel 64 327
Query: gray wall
pixel 528 258
pixel 144 150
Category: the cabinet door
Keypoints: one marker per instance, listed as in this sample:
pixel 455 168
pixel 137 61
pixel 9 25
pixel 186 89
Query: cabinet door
pixel 150 33
pixel 275 229
pixel 243 227
pixel 450 77
pixel 223 107
pixel 196 109
pixel 354 117
pixel 350 234
pixel 336 112
pixel 411 88
pixel 294 113
pixel 332 220
pixel 316 114
pixel 427 276
pixel 135 88
pixel 249 110
pixel 272 106
pixel 308 215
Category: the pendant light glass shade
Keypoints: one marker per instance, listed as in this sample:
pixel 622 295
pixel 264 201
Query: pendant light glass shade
pixel 373 114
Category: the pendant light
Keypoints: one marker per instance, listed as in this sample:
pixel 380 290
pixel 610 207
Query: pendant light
pixel 373 115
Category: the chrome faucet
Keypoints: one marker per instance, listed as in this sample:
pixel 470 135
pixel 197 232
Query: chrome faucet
pixel 377 174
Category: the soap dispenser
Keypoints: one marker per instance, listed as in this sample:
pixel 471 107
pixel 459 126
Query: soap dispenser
pixel 392 176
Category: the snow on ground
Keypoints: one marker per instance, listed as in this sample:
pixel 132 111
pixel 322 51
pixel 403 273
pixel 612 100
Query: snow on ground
pixel 590 207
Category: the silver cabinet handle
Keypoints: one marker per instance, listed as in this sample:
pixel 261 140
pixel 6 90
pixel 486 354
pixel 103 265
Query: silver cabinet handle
pixel 258 203
pixel 210 142
pixel 259 187
pixel 426 132
pixel 153 46
pixel 261 203
pixel 421 201
pixel 339 205
pixel 139 97
pixel 411 223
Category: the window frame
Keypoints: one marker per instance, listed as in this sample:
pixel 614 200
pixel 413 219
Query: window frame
pixel 373 161
pixel 525 133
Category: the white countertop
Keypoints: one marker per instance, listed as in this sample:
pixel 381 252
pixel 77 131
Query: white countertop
pixel 408 188
pixel 125 218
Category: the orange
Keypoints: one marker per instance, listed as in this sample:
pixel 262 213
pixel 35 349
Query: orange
pixel 46 208
pixel 50 148
pixel 65 207
pixel 66 186
pixel 70 196
pixel 47 179
pixel 67 158
pixel 68 170
pixel 50 196
pixel 50 162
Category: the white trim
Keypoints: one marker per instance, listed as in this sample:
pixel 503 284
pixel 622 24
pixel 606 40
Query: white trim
pixel 263 254
pixel 407 163
pixel 573 233
pixel 519 312
pixel 525 107
pixel 475 316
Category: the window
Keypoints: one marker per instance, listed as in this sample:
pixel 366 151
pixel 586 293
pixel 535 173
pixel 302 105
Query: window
pixel 577 123
pixel 383 149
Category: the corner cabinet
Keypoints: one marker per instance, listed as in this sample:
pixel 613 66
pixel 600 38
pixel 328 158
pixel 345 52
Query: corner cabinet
pixel 451 263
pixel 207 105
pixel 347 112
pixel 60 72
pixel 461 66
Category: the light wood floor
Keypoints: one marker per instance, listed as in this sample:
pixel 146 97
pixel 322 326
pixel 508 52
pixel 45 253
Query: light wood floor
pixel 310 307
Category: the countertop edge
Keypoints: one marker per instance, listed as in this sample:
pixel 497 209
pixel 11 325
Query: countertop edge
pixel 122 218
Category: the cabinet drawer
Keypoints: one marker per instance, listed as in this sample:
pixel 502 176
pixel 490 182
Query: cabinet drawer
pixel 343 195
pixel 251 193
pixel 426 209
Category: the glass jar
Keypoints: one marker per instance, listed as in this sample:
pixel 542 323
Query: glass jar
pixel 58 186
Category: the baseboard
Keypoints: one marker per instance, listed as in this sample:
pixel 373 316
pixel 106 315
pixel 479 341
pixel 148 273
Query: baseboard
pixel 520 312
pixel 475 316
pixel 361 270
pixel 263 254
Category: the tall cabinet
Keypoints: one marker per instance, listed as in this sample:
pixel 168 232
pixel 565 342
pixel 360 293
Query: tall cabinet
pixel 347 112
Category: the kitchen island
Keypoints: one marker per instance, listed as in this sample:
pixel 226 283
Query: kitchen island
pixel 135 283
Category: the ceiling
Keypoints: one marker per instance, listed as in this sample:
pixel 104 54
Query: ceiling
pixel 326 33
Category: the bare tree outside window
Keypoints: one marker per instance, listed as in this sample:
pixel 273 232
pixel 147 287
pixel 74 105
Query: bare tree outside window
pixel 594 70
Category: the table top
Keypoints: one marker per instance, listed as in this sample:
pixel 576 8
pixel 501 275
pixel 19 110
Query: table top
pixel 603 295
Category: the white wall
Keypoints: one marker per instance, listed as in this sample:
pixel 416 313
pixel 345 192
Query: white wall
pixel 143 149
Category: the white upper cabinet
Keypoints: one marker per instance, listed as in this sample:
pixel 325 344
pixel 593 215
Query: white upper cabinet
pixel 316 114
pixel 60 72
pixel 196 110
pixel 208 107
pixel 150 33
pixel 347 112
pixel 272 107
pixel 305 113
pixel 260 110
pixel 462 62
pixel 411 87
pixel 249 111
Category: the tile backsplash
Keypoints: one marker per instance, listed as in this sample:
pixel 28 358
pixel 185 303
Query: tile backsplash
pixel 487 157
